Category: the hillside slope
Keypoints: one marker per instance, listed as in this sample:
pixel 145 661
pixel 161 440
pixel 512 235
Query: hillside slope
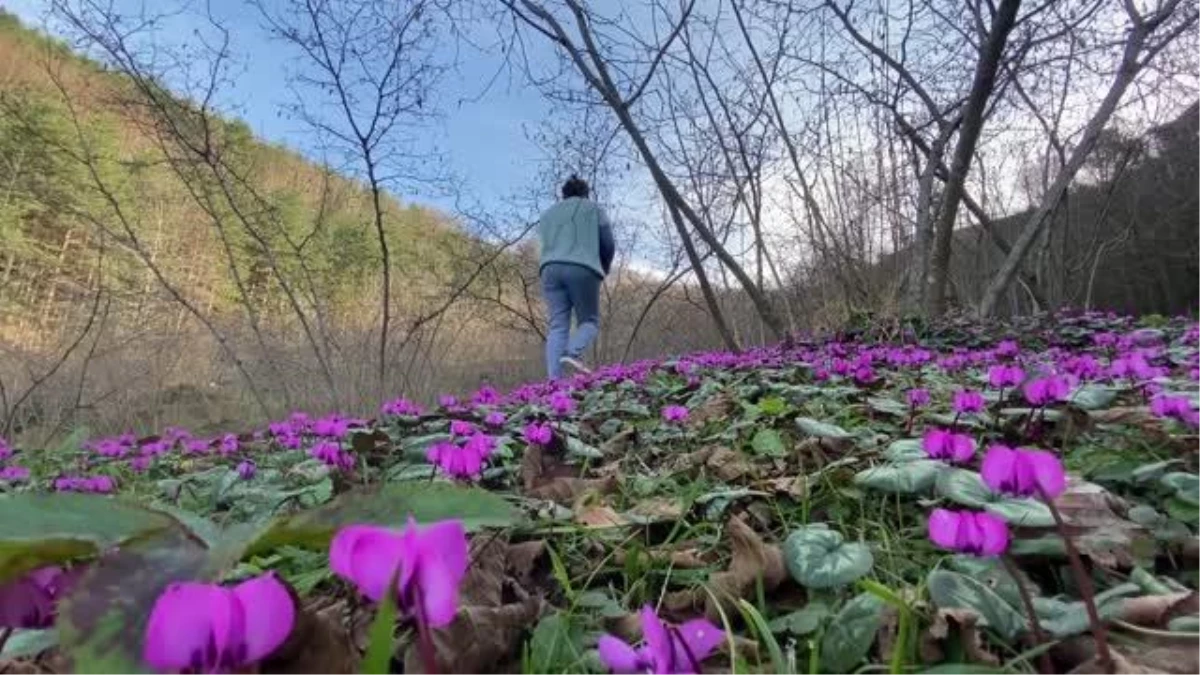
pixel 87 164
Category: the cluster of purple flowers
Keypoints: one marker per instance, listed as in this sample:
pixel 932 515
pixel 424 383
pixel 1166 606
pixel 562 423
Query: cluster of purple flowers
pixel 1121 356
pixel 465 454
pixel 1017 472
pixel 92 484
pixel 11 472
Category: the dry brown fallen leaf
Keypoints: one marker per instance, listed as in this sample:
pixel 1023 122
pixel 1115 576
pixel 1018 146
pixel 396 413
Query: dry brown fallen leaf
pixel 1121 665
pixel 729 465
pixel 484 583
pixel 718 406
pixel 659 508
pixel 681 559
pixel 531 467
pixel 793 486
pixel 478 639
pixel 966 626
pixel 1099 533
pixel 567 490
pixel 751 559
pixel 616 445
pixel 1157 610
pixel 319 643
pixel 1181 658
pixel 523 559
pixel 21 667
pixel 599 515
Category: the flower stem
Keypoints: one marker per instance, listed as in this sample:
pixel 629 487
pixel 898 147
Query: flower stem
pixel 1099 631
pixel 424 639
pixel 1028 421
pixel 1039 637
pixel 4 635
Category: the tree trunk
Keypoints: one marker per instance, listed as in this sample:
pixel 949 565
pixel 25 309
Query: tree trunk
pixel 710 297
pixel 964 150
pixel 1041 217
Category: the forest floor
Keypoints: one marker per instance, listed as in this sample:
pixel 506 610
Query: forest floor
pixel 783 494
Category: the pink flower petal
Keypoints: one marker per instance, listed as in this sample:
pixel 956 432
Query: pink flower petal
pixel 997 467
pixel 1047 472
pixel 658 641
pixel 25 603
pixel 618 655
pixel 962 447
pixel 183 627
pixel 441 565
pixel 701 637
pixel 943 528
pixel 993 533
pixel 270 614
pixel 368 556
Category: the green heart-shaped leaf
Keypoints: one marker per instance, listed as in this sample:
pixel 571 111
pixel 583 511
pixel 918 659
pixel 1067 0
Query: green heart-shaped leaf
pixel 818 558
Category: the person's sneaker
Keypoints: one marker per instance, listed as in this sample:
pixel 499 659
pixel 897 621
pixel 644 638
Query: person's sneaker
pixel 575 364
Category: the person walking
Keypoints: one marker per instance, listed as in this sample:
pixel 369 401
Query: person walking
pixel 577 250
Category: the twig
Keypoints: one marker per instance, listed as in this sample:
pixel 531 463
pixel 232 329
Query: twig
pixel 1039 637
pixel 1099 631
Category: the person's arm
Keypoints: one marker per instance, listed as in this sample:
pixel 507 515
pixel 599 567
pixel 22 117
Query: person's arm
pixel 608 248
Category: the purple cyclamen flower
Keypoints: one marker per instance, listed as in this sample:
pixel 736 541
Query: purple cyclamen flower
pixel 952 363
pixel 1023 472
pixel 208 628
pixel 140 463
pixel 675 413
pixel 1133 366
pixel 664 649
pixel 463 462
pixel 29 602
pixel 864 375
pixel 176 434
pixel 332 455
pixel 1047 390
pixel 14 473
pixel 967 401
pixel 1176 407
pixel 447 401
pixel 948 446
pixel 196 445
pixel 278 429
pixel 1007 348
pixel 401 407
pixel 538 433
pixel 561 403
pixel 246 469
pixel 300 421
pixel 6 450
pixel 487 395
pixel 427 565
pixel 495 419
pixel 228 444
pixel 917 398
pixel 93 484
pixel 461 428
pixel 1000 377
pixel 155 448
pixel 333 426
pixel 978 533
pixel 110 447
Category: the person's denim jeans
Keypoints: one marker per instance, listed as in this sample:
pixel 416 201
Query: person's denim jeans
pixel 570 288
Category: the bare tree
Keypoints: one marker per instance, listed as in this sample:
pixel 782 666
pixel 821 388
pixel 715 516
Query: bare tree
pixel 375 60
pixel 1147 36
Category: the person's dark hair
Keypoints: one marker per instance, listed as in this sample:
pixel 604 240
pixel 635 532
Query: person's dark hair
pixel 574 187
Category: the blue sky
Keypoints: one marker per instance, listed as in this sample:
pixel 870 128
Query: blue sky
pixel 484 140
